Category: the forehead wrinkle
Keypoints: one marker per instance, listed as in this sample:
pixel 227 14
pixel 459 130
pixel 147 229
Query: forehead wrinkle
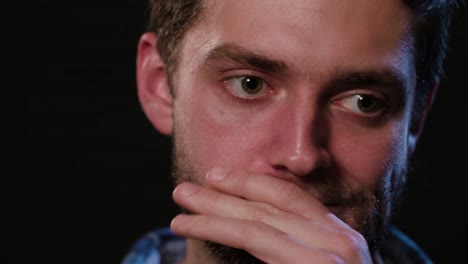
pixel 237 54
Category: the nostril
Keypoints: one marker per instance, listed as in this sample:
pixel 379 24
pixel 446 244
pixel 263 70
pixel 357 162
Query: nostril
pixel 280 167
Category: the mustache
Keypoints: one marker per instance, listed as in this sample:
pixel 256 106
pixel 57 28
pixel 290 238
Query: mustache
pixel 327 187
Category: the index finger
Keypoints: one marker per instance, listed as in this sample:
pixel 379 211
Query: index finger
pixel 271 190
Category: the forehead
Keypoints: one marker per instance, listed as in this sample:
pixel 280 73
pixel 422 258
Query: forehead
pixel 313 34
pixel 354 16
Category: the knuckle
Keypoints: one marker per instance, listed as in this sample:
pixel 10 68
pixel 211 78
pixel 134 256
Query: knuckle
pixel 352 244
pixel 216 196
pixel 288 192
pixel 251 229
pixel 238 177
pixel 263 212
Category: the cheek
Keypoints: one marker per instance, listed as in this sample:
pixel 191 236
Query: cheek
pixel 215 135
pixel 368 158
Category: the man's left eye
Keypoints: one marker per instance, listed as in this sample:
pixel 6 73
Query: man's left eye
pixel 246 86
pixel 362 104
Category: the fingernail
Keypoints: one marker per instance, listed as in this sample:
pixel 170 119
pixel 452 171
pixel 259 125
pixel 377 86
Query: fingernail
pixel 179 220
pixel 187 189
pixel 217 174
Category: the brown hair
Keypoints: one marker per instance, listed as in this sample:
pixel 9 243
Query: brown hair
pixel 170 20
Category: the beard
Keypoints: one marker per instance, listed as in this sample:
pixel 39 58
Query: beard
pixel 370 213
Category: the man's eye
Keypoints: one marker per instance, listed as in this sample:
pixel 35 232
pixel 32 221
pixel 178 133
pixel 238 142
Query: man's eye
pixel 246 86
pixel 362 104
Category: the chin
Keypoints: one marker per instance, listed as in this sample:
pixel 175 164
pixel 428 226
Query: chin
pixel 228 255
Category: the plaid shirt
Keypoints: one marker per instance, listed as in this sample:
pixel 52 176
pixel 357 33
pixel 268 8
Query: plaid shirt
pixel 161 246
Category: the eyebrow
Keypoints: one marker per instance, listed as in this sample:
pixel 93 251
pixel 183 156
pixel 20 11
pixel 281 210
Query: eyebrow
pixel 240 55
pixel 382 77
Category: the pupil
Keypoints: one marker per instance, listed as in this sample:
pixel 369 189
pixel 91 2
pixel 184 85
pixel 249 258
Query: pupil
pixel 251 85
pixel 366 103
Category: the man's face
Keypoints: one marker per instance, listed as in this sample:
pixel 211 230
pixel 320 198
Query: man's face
pixel 317 92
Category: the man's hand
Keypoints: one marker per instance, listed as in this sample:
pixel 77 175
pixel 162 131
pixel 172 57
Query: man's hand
pixel 273 219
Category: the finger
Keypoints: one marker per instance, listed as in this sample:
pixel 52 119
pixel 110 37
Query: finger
pixel 271 190
pixel 262 241
pixel 201 200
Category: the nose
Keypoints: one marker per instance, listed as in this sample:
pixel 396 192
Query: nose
pixel 300 145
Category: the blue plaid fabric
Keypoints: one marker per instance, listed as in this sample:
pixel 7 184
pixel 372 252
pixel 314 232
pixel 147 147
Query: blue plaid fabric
pixel 160 246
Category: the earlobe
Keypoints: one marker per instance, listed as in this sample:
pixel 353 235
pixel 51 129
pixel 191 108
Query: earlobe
pixel 417 126
pixel 153 86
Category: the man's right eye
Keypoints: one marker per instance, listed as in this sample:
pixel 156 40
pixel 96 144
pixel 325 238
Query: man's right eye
pixel 247 87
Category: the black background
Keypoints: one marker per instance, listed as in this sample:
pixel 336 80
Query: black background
pixel 86 173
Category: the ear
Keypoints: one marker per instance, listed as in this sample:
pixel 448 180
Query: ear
pixel 418 125
pixel 153 87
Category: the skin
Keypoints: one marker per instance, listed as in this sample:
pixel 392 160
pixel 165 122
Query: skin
pixel 295 168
